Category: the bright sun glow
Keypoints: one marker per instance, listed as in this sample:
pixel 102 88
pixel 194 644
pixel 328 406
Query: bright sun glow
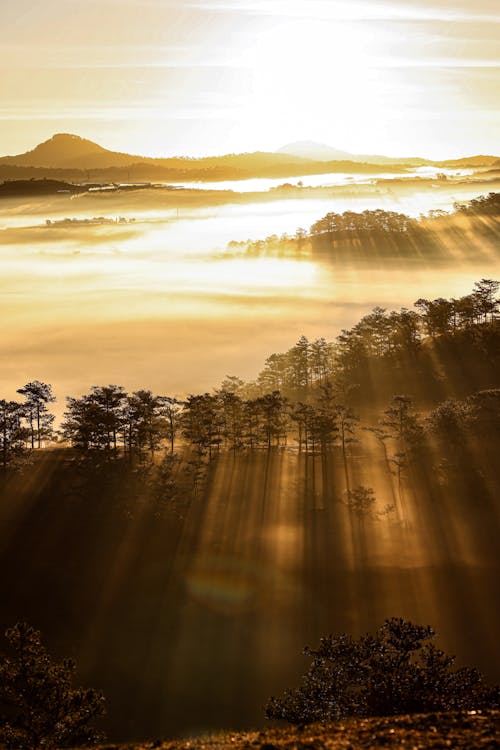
pixel 287 85
pixel 203 78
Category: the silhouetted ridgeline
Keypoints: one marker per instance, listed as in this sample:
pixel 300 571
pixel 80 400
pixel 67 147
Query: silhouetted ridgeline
pixel 184 552
pixel 45 186
pixel 232 167
pixel 14 188
pixel 68 156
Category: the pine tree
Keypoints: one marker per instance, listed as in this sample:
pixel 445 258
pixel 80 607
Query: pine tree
pixel 393 671
pixel 39 708
pixel 40 420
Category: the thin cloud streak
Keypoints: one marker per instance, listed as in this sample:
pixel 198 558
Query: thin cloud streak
pixel 376 64
pixel 139 113
pixel 326 9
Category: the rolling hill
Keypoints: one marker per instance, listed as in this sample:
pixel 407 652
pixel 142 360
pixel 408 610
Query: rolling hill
pixel 323 152
pixel 70 157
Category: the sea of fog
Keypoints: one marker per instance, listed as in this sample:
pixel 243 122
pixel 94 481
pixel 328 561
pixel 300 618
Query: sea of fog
pixel 160 303
pixel 334 179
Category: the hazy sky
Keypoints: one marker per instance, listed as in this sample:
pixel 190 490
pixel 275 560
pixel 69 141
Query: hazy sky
pixel 160 77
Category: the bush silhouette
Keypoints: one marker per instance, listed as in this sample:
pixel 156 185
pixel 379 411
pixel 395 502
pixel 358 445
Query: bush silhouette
pixel 39 708
pixel 394 671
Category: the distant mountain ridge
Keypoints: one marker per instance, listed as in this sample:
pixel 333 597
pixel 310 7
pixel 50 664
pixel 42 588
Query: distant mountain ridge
pixel 69 156
pixel 323 152
pixel 69 151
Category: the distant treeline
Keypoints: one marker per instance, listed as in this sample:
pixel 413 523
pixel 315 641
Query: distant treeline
pixel 303 397
pixel 44 186
pixel 386 232
pixel 185 169
pixel 13 188
pixel 94 221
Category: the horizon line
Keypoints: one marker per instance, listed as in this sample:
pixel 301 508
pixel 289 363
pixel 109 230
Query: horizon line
pixel 255 151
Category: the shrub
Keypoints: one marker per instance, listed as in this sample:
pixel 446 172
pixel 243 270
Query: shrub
pixel 394 671
pixel 39 708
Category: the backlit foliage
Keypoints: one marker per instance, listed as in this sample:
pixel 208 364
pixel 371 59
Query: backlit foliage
pixel 39 707
pixel 396 670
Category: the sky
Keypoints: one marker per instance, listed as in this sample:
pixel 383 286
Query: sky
pixel 195 77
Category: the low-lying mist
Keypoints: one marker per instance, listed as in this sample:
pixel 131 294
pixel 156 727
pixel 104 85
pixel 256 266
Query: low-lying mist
pixel 157 300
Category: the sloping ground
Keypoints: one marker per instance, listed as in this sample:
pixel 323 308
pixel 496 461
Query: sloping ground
pixel 464 730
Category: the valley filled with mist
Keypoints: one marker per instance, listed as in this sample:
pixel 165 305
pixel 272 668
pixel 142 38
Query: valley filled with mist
pixel 162 286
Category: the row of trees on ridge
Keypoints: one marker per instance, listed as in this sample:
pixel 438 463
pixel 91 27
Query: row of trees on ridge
pixel 376 224
pixel 302 397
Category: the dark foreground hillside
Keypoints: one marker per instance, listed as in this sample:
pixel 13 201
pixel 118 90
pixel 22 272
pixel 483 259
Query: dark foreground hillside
pixel 466 730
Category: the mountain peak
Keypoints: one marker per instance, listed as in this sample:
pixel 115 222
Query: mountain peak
pixel 64 146
pixel 314 150
pixel 67 151
pixel 323 152
pixel 69 138
pixel 61 150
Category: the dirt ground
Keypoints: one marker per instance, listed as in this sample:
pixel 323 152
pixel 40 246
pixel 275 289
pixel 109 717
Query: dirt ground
pixel 468 730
